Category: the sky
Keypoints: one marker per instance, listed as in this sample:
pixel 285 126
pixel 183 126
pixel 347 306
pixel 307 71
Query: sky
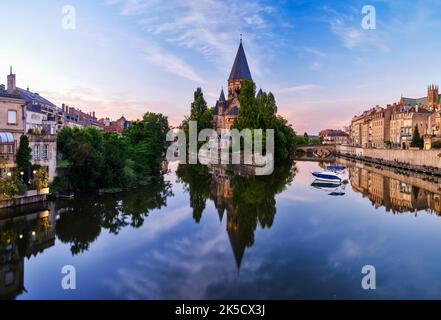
pixel 127 57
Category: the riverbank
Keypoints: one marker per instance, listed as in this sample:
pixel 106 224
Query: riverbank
pixel 421 161
pixel 29 197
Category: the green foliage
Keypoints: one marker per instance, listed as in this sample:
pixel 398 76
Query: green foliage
pixel 199 109
pixel 261 114
pixel 306 137
pixel 436 144
pixel 41 179
pixel 199 112
pixel 23 156
pixel 251 115
pixel 146 140
pixel 8 189
pixel 99 159
pixel 417 140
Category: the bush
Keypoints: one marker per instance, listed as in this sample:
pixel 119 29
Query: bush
pixel 436 144
pixel 41 179
pixel 8 189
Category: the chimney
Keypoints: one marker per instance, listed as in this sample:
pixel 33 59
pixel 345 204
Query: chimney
pixel 62 107
pixel 94 114
pixel 11 82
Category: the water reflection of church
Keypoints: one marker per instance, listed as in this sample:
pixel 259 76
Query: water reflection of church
pixel 222 196
pixel 24 233
pixel 395 191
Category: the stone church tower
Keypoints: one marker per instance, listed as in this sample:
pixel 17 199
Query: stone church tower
pixel 432 97
pixel 226 110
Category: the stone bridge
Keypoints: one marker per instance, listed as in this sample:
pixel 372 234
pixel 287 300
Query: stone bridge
pixel 320 151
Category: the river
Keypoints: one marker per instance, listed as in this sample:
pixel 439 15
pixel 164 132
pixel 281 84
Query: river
pixel 210 234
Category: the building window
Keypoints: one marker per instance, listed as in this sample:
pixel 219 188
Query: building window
pixel 45 154
pixel 36 154
pixel 12 117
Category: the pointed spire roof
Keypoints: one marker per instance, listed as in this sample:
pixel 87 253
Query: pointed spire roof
pixel 240 68
pixel 222 96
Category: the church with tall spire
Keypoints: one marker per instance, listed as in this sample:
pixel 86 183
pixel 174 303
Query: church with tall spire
pixel 227 108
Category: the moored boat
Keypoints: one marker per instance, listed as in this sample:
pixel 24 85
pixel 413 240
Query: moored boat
pixel 329 175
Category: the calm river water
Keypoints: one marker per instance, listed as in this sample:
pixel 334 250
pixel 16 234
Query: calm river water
pixel 200 234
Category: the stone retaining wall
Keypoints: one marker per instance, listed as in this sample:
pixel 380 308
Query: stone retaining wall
pixel 31 196
pixel 430 158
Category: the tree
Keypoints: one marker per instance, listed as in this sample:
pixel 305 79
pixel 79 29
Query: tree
pixel 23 157
pixel 306 137
pixel 99 159
pixel 250 112
pixel 147 143
pixel 417 140
pixel 199 111
pixel 23 160
pixel 261 113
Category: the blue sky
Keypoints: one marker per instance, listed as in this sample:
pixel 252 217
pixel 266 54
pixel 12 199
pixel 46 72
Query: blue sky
pixel 132 56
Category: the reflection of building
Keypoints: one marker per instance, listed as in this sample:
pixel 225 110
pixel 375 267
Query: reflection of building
pixel 22 236
pixel 393 194
pixel 222 194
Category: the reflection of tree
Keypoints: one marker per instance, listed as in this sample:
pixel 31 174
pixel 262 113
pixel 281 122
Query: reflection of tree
pixel 79 227
pixel 88 214
pixel 248 200
pixel 197 180
pixel 254 200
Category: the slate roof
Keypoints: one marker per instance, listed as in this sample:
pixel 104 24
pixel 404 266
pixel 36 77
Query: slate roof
pixel 34 108
pixel 233 112
pixel 221 99
pixel 222 96
pixel 240 68
pixel 34 98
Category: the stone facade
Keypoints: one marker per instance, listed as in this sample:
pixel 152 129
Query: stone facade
pixel 44 152
pixel 403 123
pixel 11 124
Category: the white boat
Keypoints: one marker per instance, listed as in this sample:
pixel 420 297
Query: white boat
pixel 332 188
pixel 331 174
